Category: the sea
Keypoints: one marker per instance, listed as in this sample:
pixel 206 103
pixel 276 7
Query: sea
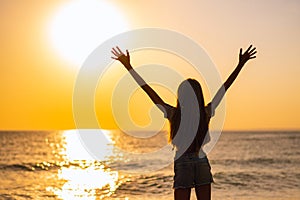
pixel 110 164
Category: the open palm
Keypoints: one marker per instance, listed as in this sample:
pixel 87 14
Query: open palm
pixel 247 55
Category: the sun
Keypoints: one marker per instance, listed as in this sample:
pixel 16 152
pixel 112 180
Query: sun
pixel 78 27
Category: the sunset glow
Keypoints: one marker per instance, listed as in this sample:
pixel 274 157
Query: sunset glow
pixel 83 176
pixel 78 27
pixel 45 43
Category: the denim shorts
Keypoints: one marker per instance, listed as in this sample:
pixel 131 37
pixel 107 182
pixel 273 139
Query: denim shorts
pixel 191 171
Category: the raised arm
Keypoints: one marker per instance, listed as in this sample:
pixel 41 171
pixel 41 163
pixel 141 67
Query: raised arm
pixel 243 58
pixel 125 60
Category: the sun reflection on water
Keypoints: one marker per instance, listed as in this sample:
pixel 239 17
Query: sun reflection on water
pixel 84 177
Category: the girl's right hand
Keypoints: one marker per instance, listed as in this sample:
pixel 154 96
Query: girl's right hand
pixel 120 56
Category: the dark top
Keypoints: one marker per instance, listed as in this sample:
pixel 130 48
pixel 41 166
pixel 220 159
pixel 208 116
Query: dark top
pixel 169 113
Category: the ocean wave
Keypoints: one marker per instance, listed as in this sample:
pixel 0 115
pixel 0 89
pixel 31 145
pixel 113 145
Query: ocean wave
pixel 256 180
pixel 50 165
pixel 255 161
pixel 157 183
pixel 6 197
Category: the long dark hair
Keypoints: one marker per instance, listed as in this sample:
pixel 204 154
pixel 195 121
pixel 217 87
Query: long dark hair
pixel 183 101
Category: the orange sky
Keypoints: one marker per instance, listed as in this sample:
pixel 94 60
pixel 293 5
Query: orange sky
pixel 37 82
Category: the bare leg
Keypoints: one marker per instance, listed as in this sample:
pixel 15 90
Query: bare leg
pixel 203 192
pixel 182 194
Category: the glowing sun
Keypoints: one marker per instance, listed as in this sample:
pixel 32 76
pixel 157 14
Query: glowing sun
pixel 78 27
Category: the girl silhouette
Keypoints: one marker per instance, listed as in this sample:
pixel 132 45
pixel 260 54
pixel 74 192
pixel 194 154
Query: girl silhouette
pixel 189 122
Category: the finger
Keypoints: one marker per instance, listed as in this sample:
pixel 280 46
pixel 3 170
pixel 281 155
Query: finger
pixel 113 52
pixel 253 53
pixel 241 50
pixel 114 58
pixel 119 50
pixel 127 52
pixel 252 50
pixel 249 48
pixel 252 57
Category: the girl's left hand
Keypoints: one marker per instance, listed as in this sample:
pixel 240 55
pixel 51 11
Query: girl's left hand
pixel 249 54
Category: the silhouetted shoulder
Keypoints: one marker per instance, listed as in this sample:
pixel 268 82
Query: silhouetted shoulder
pixel 169 111
pixel 209 110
